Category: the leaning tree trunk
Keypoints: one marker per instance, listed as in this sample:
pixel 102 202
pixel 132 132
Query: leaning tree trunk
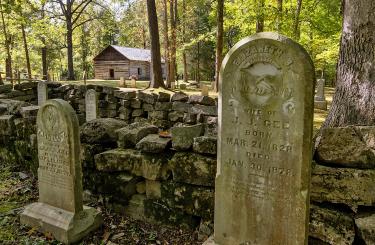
pixel 296 25
pixel 69 42
pixel 354 100
pixel 157 77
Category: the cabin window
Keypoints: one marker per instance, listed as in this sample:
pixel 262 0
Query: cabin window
pixel 139 71
pixel 111 73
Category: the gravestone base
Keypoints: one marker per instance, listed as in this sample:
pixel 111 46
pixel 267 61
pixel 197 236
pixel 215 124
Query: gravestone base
pixel 65 226
pixel 322 105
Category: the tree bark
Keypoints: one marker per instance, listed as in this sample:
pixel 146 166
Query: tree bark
pixel 156 78
pixel 197 73
pixel 260 16
pixel 69 42
pixel 279 23
pixel 7 40
pixel 354 100
pixel 166 42
pixel 184 40
pixel 172 64
pixel 219 41
pixel 26 51
pixel 296 25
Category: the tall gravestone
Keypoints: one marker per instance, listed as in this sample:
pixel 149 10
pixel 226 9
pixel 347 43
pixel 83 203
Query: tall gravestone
pixel 320 101
pixel 42 92
pixel 60 210
pixel 91 102
pixel 264 148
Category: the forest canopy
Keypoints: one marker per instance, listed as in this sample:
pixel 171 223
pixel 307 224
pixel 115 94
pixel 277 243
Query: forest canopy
pixel 36 32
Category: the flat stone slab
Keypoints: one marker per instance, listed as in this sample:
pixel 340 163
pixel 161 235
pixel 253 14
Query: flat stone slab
pixel 65 226
pixel 153 143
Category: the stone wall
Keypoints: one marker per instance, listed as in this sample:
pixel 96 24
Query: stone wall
pixel 136 164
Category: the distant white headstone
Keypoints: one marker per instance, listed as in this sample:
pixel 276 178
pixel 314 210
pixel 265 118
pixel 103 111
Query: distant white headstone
pixel 91 100
pixel 42 92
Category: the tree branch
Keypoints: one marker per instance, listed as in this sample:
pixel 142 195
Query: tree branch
pixel 81 11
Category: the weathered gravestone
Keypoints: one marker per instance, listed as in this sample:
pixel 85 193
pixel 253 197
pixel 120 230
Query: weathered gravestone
pixel 60 210
pixel 320 99
pixel 204 90
pixel 42 92
pixel 91 101
pixel 264 148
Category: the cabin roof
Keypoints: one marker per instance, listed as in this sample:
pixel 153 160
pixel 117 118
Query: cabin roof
pixel 135 54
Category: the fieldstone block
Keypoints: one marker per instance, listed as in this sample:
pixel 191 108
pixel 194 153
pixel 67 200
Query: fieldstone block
pixel 211 126
pixel 6 88
pixel 164 97
pixel 153 143
pixel 163 106
pixel 153 189
pixel 181 106
pixel 29 111
pixel 125 95
pixel 162 124
pixel 109 90
pixel 201 99
pixel 190 118
pixel 205 145
pixel 148 107
pixel 204 110
pixel 6 125
pixel 125 103
pixel 351 187
pixel 176 116
pixel 193 168
pixel 101 131
pixel 130 135
pixel 162 115
pixel 145 97
pixel 192 200
pixel 366 228
pixel 352 147
pixel 137 112
pixel 330 226
pixel 136 104
pixel 148 166
pixel 183 136
pixel 180 96
pixel 124 113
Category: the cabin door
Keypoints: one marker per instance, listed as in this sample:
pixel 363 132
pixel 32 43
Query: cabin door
pixel 111 73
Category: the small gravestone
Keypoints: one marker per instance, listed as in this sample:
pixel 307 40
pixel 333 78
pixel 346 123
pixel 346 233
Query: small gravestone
pixel 42 92
pixel 122 83
pixel 320 99
pixel 204 90
pixel 264 148
pixel 60 210
pixel 91 100
pixel 133 82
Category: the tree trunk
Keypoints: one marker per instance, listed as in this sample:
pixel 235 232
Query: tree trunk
pixel 354 100
pixel 219 41
pixel 184 40
pixel 279 22
pixel 166 42
pixel 7 41
pixel 197 74
pixel 172 65
pixel 26 51
pixel 156 78
pixel 44 60
pixel 69 42
pixel 260 17
pixel 296 25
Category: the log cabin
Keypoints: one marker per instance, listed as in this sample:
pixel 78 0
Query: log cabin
pixel 117 61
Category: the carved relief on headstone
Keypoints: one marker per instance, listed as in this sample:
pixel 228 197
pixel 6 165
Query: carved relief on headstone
pixel 91 101
pixel 60 210
pixel 320 99
pixel 42 92
pixel 264 148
